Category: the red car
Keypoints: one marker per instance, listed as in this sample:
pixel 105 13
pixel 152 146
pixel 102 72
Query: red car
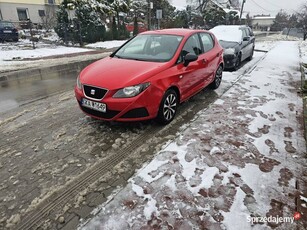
pixel 150 75
pixel 141 27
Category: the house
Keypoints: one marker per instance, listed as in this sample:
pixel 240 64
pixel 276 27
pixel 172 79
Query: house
pixel 262 22
pixel 224 13
pixel 40 12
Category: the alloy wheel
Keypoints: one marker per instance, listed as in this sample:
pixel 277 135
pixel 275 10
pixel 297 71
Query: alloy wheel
pixel 169 107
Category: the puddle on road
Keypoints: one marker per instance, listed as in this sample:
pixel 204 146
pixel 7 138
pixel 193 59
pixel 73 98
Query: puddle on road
pixel 19 92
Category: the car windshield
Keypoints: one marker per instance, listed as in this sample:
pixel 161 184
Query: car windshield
pixel 6 25
pixel 228 33
pixel 150 47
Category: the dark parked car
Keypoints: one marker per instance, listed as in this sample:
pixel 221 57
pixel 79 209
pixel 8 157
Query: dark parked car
pixel 150 75
pixel 8 31
pixel 238 43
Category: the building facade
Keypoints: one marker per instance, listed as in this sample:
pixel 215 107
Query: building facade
pixel 262 22
pixel 40 12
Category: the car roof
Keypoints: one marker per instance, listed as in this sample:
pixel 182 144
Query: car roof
pixel 176 31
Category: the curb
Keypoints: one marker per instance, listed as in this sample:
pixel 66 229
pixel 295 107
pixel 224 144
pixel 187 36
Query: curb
pixel 304 93
pixel 21 76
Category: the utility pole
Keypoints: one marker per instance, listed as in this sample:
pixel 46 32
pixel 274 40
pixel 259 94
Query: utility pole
pixel 150 6
pixel 241 11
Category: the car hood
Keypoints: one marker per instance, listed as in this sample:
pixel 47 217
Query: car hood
pixel 115 73
pixel 227 45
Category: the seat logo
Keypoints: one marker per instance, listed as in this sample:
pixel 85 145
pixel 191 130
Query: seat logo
pixel 92 92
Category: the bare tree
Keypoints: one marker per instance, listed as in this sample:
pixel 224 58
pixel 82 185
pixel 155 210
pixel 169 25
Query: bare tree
pixel 235 4
pixel 49 19
pixel 302 20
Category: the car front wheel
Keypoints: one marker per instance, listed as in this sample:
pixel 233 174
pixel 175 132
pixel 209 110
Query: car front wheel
pixel 238 62
pixel 168 107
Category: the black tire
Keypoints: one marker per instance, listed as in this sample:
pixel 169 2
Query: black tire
pixel 217 79
pixel 168 107
pixel 238 63
pixel 251 56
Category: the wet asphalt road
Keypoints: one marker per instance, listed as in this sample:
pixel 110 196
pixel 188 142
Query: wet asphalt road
pixel 14 94
pixel 48 148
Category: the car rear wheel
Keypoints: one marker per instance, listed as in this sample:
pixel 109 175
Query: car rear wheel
pixel 168 107
pixel 251 56
pixel 217 79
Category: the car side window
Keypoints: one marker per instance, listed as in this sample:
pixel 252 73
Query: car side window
pixel 250 32
pixel 245 34
pixel 207 41
pixel 192 46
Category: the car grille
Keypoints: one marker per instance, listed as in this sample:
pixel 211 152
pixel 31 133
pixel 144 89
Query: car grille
pixel 94 92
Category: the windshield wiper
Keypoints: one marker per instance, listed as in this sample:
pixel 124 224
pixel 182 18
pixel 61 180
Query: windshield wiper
pixel 115 55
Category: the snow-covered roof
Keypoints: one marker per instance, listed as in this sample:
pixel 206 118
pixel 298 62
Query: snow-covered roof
pixel 224 5
pixel 263 18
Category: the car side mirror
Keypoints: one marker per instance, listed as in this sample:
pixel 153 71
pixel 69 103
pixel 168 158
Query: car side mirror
pixel 246 39
pixel 189 58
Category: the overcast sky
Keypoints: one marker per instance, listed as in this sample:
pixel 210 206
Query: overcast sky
pixel 271 7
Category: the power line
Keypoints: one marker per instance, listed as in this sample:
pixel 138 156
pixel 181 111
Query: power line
pixel 273 4
pixel 262 7
pixel 271 10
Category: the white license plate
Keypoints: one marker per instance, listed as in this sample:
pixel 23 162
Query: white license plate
pixel 94 105
pixel 7 31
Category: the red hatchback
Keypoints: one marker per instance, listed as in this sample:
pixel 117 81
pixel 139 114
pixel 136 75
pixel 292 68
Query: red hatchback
pixel 150 75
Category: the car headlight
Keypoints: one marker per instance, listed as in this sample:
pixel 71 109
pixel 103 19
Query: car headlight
pixel 79 85
pixel 230 51
pixel 131 91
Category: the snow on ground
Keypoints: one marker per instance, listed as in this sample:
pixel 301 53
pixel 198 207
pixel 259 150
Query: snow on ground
pixel 12 55
pixel 107 44
pixel 303 47
pixel 235 160
pixel 20 54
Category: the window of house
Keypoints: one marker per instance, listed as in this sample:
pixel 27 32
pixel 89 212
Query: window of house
pixel 51 2
pixel 41 13
pixel 22 14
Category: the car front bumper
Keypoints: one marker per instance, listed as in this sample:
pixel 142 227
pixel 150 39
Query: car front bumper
pixel 9 36
pixel 141 107
pixel 230 61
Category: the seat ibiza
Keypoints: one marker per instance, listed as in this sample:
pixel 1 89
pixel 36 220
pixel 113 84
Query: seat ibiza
pixel 150 75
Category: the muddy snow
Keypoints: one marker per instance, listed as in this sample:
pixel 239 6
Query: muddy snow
pixel 243 157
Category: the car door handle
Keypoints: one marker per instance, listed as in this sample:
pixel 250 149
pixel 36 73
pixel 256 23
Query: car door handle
pixel 204 61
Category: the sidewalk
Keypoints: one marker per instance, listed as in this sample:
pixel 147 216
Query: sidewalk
pixel 243 157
